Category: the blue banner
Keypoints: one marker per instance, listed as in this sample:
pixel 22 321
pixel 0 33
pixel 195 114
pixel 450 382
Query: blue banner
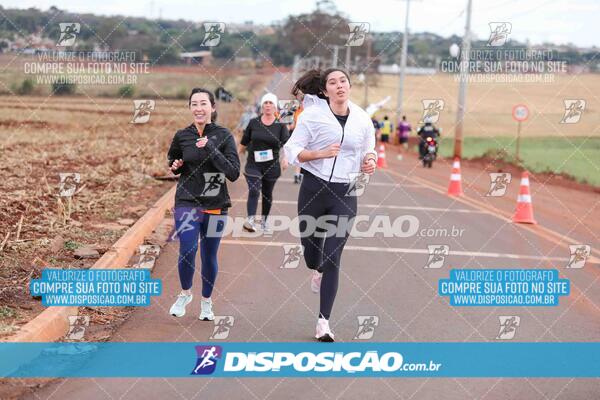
pixel 124 287
pixel 504 287
pixel 223 359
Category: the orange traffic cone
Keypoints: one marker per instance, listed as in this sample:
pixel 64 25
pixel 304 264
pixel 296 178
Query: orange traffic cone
pixel 455 187
pixel 524 213
pixel 381 162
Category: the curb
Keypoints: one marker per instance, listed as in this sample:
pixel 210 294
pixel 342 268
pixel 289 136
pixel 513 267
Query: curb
pixel 53 323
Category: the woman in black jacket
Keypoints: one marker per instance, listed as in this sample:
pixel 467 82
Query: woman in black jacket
pixel 204 154
pixel 263 137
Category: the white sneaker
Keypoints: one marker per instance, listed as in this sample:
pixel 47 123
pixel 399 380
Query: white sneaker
pixel 324 334
pixel 178 308
pixel 266 228
pixel 249 225
pixel 315 281
pixel 206 312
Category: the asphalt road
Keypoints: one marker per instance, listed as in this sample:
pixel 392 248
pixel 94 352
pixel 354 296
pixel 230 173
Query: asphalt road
pixel 380 276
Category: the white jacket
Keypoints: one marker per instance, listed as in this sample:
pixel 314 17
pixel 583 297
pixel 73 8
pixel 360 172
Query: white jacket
pixel 317 128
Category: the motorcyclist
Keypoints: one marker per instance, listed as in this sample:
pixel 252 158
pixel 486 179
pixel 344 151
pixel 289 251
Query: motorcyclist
pixel 427 130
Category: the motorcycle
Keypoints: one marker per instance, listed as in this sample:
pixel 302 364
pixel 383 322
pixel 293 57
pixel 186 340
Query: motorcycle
pixel 431 148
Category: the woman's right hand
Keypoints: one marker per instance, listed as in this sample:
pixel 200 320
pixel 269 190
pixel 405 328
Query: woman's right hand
pixel 331 151
pixel 176 165
pixel 309 155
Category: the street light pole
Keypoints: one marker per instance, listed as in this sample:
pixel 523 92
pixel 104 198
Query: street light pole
pixel 348 60
pixel 402 65
pixel 334 63
pixel 366 72
pixel 462 90
pixel 296 68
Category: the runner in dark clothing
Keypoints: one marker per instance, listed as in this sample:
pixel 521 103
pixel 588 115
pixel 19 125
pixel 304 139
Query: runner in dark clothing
pixel 204 154
pixel 263 137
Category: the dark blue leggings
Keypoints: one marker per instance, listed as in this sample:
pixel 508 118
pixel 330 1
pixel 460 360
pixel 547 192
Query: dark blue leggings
pixel 191 223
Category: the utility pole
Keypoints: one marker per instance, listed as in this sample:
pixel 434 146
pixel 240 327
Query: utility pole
pixel 366 72
pixel 348 60
pixel 462 89
pixel 334 63
pixel 296 68
pixel 403 56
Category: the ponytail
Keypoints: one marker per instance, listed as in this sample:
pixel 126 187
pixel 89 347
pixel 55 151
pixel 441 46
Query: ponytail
pixel 309 83
pixel 314 82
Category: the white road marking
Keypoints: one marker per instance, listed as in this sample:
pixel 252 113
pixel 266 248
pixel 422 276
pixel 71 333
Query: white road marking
pixel 410 208
pixel 404 250
pixel 399 184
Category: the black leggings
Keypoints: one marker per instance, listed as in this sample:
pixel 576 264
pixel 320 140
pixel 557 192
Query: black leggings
pixel 257 185
pixel 317 198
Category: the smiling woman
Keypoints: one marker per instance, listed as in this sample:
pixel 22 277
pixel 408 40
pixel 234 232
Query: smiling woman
pixel 204 154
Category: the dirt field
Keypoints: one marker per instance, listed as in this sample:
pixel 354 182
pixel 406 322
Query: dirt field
pixel 547 146
pixel 159 82
pixel 41 137
pixel 89 133
pixel 489 105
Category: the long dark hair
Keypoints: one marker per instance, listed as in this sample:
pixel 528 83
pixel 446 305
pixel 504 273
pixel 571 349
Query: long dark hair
pixel 314 82
pixel 211 98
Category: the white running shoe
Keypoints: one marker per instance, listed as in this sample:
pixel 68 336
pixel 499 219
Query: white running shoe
pixel 249 225
pixel 266 228
pixel 206 312
pixel 178 308
pixel 315 281
pixel 324 334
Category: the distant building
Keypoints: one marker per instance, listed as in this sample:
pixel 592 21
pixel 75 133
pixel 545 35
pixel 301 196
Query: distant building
pixel 395 69
pixel 203 57
pixel 31 43
pixel 249 26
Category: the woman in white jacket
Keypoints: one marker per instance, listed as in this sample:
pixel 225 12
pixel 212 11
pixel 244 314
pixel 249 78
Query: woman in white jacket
pixel 333 142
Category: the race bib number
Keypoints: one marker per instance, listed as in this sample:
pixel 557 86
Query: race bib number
pixel 263 155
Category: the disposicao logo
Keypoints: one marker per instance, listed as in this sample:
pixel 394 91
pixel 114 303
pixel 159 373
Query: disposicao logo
pixel 307 361
pixel 367 362
pixel 207 359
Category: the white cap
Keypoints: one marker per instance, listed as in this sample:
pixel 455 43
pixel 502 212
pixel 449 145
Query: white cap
pixel 269 97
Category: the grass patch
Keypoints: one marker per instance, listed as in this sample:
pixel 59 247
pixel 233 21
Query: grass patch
pixel 71 245
pixel 578 157
pixel 7 312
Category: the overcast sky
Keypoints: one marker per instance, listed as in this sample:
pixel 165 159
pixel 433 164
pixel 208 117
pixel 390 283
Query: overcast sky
pixel 558 21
